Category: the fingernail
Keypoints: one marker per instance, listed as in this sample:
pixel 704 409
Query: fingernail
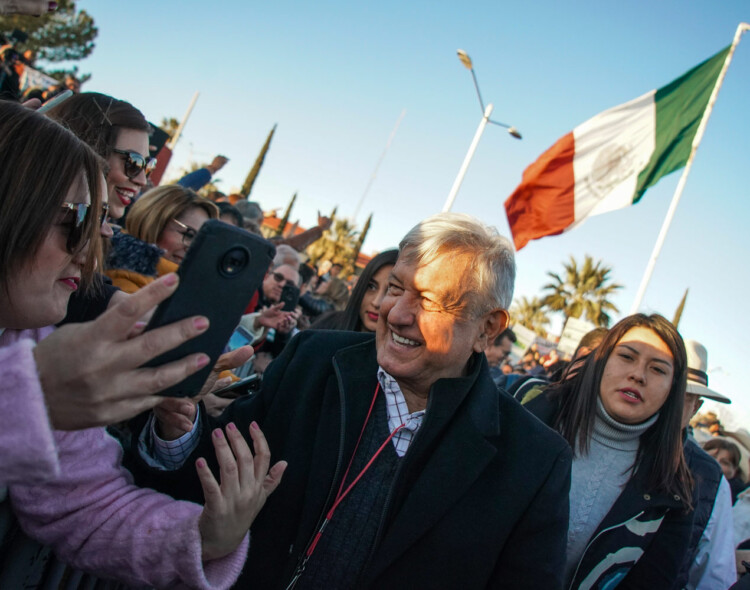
pixel 201 463
pixel 200 323
pixel 170 280
pixel 254 425
pixel 51 6
pixel 231 426
pixel 202 361
pixel 218 433
pixel 139 325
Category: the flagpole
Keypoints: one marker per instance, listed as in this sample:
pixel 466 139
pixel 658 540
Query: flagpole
pixel 377 166
pixel 741 28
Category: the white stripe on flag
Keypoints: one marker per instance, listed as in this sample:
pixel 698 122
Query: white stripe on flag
pixel 611 149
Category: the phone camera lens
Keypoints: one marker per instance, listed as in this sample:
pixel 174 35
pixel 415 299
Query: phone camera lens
pixel 234 261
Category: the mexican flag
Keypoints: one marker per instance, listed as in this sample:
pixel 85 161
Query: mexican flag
pixel 609 161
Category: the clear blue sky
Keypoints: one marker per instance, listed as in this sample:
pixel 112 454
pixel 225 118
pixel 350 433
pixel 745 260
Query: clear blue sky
pixel 336 75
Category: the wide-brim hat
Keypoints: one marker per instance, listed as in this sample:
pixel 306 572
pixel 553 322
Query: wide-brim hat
pixel 697 378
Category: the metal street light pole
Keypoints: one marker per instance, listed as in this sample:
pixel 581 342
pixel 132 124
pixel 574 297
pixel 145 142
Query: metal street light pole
pixel 486 112
pixel 467 159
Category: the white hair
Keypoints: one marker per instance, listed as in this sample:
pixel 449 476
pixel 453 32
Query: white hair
pixel 285 254
pixel 492 257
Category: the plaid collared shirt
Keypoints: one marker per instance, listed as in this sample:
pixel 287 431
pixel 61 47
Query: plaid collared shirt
pixel 173 454
pixel 398 413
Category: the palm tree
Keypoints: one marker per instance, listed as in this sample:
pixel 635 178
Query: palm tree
pixel 337 245
pixel 583 292
pixel 530 313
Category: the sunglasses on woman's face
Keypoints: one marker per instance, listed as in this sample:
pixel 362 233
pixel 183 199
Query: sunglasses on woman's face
pixel 74 219
pixel 135 163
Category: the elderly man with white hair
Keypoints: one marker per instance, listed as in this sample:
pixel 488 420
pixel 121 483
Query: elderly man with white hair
pixel 407 469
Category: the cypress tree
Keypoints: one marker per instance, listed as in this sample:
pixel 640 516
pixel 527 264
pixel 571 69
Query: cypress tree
pixel 285 219
pixel 247 186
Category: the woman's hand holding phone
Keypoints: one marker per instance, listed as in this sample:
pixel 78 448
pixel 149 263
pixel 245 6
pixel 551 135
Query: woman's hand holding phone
pixel 91 373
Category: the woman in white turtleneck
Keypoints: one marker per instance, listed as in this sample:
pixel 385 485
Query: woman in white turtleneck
pixel 630 494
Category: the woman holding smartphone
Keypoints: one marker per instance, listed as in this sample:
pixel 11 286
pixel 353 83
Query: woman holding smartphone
pixel 68 488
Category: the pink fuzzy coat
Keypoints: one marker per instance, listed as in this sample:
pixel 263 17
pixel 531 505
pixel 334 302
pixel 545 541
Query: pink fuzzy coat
pixel 70 491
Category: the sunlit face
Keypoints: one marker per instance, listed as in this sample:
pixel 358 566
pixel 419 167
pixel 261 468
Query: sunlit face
pixel 38 294
pixel 275 280
pixel 724 458
pixel 175 239
pixel 369 309
pixel 425 331
pixel 122 190
pixel 637 377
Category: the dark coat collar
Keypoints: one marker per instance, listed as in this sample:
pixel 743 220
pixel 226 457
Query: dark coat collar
pixel 456 442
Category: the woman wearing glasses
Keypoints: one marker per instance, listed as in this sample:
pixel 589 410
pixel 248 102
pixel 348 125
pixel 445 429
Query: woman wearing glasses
pixel 118 132
pixel 158 231
pixel 64 478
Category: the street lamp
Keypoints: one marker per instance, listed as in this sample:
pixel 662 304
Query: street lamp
pixel 486 112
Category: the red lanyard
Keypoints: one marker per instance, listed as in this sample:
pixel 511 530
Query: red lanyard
pixel 342 494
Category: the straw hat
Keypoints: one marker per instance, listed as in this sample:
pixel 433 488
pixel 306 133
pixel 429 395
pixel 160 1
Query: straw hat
pixel 697 378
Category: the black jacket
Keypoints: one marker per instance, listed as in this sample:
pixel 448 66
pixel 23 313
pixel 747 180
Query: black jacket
pixel 641 542
pixel 480 499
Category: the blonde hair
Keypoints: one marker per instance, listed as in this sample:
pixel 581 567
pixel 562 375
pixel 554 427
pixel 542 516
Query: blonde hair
pixel 493 263
pixel 150 214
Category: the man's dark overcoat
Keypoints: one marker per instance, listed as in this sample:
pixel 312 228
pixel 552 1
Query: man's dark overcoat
pixel 480 500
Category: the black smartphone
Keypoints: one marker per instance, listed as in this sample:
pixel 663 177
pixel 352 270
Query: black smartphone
pixel 219 275
pixel 242 387
pixel 289 297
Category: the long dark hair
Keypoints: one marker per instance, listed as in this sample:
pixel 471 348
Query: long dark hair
pixel 41 161
pixel 97 119
pixel 660 450
pixel 349 318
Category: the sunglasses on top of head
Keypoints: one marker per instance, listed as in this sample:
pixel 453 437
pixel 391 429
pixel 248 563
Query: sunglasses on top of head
pixel 76 219
pixel 135 163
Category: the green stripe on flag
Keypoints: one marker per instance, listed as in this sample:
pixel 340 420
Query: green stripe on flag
pixel 679 109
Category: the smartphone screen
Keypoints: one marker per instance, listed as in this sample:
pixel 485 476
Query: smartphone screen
pixel 240 337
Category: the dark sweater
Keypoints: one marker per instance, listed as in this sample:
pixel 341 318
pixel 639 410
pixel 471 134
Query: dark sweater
pixel 348 539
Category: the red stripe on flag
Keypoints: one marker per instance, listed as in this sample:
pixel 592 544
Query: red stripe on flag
pixel 543 204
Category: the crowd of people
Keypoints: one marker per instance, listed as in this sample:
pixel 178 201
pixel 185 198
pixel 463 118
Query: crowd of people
pixel 391 437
